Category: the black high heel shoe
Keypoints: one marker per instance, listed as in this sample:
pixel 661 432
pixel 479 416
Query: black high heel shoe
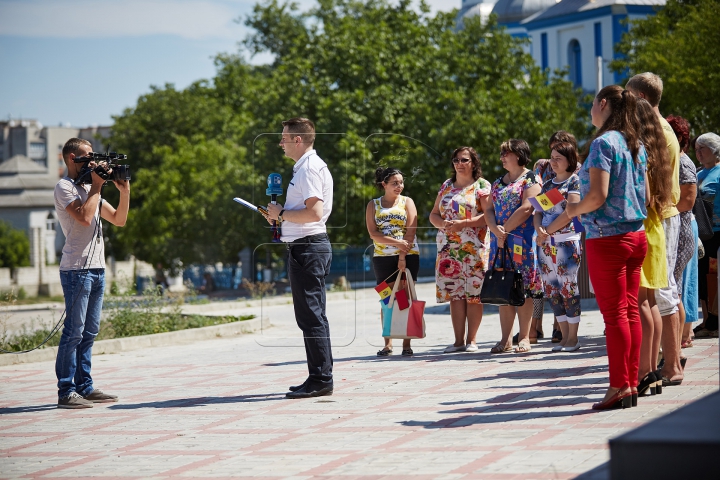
pixel 616 401
pixel 658 381
pixel 646 387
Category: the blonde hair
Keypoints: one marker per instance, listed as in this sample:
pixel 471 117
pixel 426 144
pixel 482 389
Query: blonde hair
pixel 649 84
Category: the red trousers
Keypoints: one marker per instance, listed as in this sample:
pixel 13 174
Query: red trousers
pixel 614 265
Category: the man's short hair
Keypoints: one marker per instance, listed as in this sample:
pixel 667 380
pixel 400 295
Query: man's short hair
pixel 649 84
pixel 302 127
pixel 73 146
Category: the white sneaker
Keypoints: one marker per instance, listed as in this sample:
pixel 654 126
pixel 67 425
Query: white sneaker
pixel 471 347
pixel 453 349
pixel 557 348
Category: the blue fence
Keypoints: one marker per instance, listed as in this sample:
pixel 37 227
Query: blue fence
pixel 355 263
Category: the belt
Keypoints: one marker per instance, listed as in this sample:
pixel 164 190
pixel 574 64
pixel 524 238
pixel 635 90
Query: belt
pixel 308 239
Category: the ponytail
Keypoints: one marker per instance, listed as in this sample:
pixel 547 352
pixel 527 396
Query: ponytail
pixel 623 118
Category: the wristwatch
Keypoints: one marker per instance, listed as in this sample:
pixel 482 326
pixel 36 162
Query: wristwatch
pixel 280 215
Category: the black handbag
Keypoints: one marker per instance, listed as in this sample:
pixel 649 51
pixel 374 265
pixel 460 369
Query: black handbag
pixel 503 286
pixel 703 211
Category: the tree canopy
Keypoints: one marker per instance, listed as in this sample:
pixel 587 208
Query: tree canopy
pixel 680 44
pixel 14 247
pixel 383 82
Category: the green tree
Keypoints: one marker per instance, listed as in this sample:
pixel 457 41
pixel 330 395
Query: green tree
pixel 680 44
pixel 187 212
pixel 384 83
pixel 14 247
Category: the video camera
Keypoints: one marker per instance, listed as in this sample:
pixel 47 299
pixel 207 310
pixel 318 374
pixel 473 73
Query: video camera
pixel 110 159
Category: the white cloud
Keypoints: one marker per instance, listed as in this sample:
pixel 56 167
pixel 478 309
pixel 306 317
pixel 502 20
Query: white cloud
pixel 194 19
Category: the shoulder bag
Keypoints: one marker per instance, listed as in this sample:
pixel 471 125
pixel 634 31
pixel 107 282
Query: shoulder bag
pixel 703 211
pixel 503 286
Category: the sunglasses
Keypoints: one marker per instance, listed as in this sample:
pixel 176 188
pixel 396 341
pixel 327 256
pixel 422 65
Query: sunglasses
pixel 460 160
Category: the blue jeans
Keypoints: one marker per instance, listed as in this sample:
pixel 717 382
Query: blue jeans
pixel 83 291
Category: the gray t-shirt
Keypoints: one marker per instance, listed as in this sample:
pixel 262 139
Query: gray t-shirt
pixel 80 242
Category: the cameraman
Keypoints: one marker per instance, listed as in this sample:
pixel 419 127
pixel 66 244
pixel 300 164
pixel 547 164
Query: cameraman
pixel 82 274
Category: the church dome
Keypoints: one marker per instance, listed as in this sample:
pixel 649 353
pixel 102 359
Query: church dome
pixel 511 11
pixel 471 8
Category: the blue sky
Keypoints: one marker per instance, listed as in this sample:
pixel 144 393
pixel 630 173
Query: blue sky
pixel 79 62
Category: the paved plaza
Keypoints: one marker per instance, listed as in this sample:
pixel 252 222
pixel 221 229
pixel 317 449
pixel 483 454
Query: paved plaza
pixel 216 408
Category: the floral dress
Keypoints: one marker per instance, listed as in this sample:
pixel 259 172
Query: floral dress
pixel 462 256
pixel 506 199
pixel 559 267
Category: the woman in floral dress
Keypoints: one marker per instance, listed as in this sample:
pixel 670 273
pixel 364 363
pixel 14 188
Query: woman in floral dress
pixel 462 248
pixel 509 220
pixel 559 248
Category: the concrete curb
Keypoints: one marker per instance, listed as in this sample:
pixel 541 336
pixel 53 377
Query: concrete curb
pixel 117 345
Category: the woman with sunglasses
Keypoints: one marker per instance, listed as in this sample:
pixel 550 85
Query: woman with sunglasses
pixel 462 250
pixel 509 220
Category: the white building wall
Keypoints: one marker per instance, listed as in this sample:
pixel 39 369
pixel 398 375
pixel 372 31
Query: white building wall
pixel 559 38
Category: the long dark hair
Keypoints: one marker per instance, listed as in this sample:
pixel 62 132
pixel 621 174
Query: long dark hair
pixel 659 170
pixel 382 175
pixel 623 118
pixel 474 159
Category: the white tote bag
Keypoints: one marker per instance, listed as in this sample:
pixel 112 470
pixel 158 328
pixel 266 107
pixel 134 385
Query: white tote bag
pixel 406 323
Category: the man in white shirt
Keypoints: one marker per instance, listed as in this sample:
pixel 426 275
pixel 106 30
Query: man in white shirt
pixel 306 210
pixel 82 274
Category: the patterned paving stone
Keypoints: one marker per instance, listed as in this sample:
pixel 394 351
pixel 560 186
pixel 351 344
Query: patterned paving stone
pixel 216 409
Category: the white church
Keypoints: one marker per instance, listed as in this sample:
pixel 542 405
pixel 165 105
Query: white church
pixel 576 34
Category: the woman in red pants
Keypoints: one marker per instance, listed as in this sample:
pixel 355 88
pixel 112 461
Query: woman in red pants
pixel 613 190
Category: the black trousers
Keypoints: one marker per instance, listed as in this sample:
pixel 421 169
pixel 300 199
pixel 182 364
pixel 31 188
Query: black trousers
pixel 309 261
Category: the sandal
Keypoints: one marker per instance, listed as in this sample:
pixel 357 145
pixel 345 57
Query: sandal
pixel 407 352
pixel 516 337
pixel 500 348
pixel 686 344
pixel 384 352
pixel 523 347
